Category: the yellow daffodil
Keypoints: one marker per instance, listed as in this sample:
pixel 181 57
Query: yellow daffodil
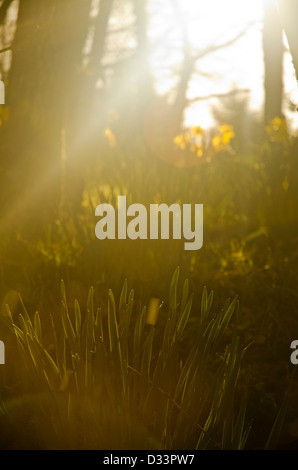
pixel 110 136
pixel 277 130
pixel 227 133
pixel 197 131
pixel 180 141
pixel 217 142
pixel 199 151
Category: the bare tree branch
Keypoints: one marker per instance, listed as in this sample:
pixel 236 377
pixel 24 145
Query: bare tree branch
pixel 5 49
pixel 190 59
pixel 218 95
pixel 217 47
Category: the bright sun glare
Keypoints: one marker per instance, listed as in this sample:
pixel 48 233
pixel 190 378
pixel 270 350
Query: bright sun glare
pixel 203 25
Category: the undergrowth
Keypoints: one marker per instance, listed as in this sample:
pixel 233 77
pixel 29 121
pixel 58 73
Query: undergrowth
pixel 117 379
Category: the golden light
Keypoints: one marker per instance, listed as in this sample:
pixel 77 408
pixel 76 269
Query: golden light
pixel 201 26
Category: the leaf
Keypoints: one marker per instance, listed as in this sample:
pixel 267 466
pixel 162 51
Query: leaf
pixel 89 339
pixel 112 321
pixel 184 317
pixel 147 353
pixel 98 326
pixel 189 365
pixel 48 362
pixel 184 296
pixel 78 320
pixel 138 333
pixel 238 441
pixel 68 328
pixel 173 297
pixel 37 327
pixel 23 325
pixel 123 299
pixel 26 316
pixel 278 425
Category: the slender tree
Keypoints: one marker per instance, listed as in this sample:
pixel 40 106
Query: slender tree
pixel 273 62
pixel 49 93
pixel 289 13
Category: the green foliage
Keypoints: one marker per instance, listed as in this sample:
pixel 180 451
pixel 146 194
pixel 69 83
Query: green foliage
pixel 110 380
pixel 169 379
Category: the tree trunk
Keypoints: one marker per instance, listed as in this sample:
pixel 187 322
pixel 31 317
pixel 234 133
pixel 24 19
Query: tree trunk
pixel 289 15
pixel 273 62
pixel 44 94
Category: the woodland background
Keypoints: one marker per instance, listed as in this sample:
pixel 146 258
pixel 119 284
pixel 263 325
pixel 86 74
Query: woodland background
pixel 83 123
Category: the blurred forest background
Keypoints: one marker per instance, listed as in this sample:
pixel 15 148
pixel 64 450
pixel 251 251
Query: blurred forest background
pixel 123 97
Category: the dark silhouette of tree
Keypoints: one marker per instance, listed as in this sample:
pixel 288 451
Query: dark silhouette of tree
pixel 48 92
pixel 56 112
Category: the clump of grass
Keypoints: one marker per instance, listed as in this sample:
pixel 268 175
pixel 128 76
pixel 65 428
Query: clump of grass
pixel 110 380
